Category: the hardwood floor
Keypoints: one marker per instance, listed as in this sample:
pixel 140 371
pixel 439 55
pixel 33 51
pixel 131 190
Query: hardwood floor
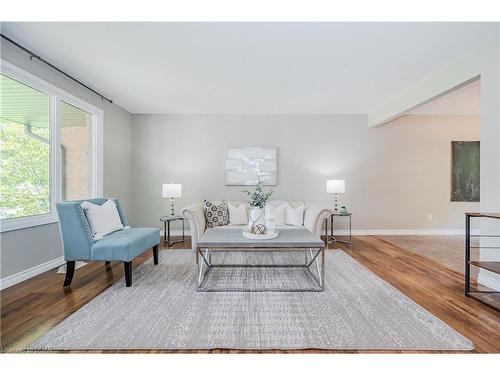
pixel 31 308
pixel 445 250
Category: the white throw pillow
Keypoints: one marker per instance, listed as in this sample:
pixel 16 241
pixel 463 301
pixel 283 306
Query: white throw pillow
pixel 294 216
pixel 276 213
pixel 103 219
pixel 237 214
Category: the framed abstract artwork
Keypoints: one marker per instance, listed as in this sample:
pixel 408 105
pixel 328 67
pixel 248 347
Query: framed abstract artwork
pixel 465 177
pixel 249 165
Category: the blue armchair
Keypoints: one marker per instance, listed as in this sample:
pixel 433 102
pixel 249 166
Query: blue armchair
pixel 123 245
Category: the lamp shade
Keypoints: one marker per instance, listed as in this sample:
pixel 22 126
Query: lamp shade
pixel 172 190
pixel 335 186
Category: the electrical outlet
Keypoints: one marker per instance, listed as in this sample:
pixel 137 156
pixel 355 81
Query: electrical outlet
pixel 429 216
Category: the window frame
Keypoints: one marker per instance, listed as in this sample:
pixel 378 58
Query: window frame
pixel 56 95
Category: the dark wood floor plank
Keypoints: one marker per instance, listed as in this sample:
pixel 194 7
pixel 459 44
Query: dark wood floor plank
pixel 33 307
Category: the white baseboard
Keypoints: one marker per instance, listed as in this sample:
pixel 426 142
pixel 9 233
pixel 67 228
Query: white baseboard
pixel 405 232
pixel 375 232
pixel 30 272
pixel 489 279
pixel 78 264
pixel 177 232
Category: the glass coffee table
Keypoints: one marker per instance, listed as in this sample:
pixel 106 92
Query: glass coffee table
pixel 215 241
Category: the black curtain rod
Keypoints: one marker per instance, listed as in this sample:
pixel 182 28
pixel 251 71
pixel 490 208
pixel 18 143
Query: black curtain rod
pixel 39 58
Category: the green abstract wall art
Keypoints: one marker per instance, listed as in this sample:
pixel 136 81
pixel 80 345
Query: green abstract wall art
pixel 465 171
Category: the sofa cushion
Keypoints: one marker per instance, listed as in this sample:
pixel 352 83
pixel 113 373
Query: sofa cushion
pixel 276 213
pixel 216 214
pixel 294 216
pixel 103 219
pixel 238 214
pixel 125 245
pixel 279 202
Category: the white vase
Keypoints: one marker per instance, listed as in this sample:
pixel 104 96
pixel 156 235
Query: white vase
pixel 256 217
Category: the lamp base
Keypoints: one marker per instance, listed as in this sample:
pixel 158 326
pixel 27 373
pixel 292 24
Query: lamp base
pixel 172 208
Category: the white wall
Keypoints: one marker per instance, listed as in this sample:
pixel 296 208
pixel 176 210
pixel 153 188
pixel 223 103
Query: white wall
pixel 40 247
pixel 490 155
pixel 395 175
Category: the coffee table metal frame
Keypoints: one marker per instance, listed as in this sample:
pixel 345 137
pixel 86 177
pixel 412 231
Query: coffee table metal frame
pixel 311 255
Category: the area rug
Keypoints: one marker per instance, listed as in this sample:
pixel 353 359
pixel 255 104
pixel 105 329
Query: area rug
pixel 163 310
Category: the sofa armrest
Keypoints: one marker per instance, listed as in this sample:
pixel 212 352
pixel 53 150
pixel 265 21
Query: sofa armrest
pixel 196 218
pixel 314 217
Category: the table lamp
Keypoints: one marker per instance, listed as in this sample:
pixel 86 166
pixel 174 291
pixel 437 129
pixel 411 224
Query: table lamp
pixel 335 187
pixel 172 191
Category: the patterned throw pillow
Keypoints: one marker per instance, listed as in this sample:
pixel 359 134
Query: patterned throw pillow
pixel 216 214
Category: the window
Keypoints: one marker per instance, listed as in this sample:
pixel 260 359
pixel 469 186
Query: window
pixel 75 152
pixel 24 150
pixel 50 149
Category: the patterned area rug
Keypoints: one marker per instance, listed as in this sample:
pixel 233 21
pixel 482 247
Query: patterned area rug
pixel 163 310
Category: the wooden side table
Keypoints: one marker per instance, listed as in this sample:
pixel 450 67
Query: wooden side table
pixel 330 238
pixel 166 223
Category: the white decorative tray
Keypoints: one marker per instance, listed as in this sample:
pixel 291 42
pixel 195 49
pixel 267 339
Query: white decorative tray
pixel 268 236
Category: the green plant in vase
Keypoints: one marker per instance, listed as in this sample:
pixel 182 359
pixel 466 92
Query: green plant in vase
pixel 258 199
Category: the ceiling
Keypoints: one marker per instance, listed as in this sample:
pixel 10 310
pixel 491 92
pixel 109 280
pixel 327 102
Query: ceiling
pixel 465 100
pixel 296 68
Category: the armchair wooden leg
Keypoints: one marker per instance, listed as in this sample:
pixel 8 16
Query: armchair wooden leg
pixel 70 271
pixel 155 254
pixel 128 273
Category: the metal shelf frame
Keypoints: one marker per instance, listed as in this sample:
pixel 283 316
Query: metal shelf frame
pixel 492 266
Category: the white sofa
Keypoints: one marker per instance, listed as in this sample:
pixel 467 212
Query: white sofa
pixel 314 216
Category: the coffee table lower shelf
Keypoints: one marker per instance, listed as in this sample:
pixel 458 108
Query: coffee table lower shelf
pixel 314 265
